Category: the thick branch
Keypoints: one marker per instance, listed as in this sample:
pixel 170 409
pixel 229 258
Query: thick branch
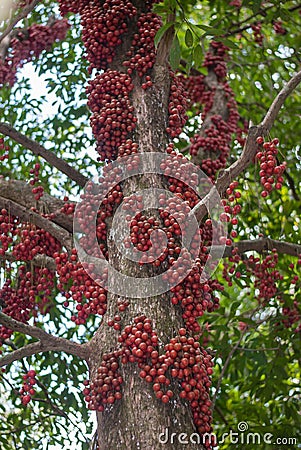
pixel 62 235
pixel 238 28
pixel 38 260
pixel 23 13
pixel 46 342
pixel 39 150
pixel 261 245
pixel 250 148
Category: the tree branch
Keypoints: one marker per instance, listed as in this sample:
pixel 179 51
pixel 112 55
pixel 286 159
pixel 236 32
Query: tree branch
pixel 38 260
pixel 249 150
pixel 225 366
pixel 261 245
pixel 46 342
pixel 21 192
pixel 23 13
pixel 62 235
pixel 275 107
pixel 39 150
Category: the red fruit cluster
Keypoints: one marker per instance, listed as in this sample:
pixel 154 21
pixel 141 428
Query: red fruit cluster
pixel 266 276
pixel 112 120
pixel 195 297
pixel 292 316
pixel 27 390
pixel 270 171
pixel 230 268
pixel 33 293
pixel 7 227
pixel 192 366
pixel 86 212
pixel 68 207
pixel 258 36
pixel 215 59
pixel 141 228
pixel 142 53
pixel 30 297
pixel 38 191
pixel 34 241
pixel 73 6
pixel 236 3
pixel 278 28
pixel 28 44
pixel 106 386
pixel 232 208
pixel 103 25
pixel 139 342
pixel 177 106
pixel 85 292
pixel 183 363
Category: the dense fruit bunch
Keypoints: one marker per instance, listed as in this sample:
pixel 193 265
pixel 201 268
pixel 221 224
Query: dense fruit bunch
pixel 88 295
pixel 270 171
pixel 33 292
pixel 183 366
pixel 4 150
pixel 177 106
pixel 34 241
pixel 106 386
pixel 278 28
pixel 32 295
pixel 73 6
pixel 141 56
pixel 112 120
pixel 215 59
pixel 28 44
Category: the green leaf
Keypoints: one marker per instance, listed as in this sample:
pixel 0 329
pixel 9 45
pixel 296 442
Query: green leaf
pixel 188 38
pixel 228 43
pixel 198 54
pixel 210 31
pixel 160 33
pixel 175 53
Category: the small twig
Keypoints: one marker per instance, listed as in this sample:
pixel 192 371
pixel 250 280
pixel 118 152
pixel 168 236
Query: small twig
pixel 292 186
pixel 23 13
pixel 39 150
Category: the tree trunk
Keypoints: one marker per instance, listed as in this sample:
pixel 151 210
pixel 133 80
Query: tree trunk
pixel 139 420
